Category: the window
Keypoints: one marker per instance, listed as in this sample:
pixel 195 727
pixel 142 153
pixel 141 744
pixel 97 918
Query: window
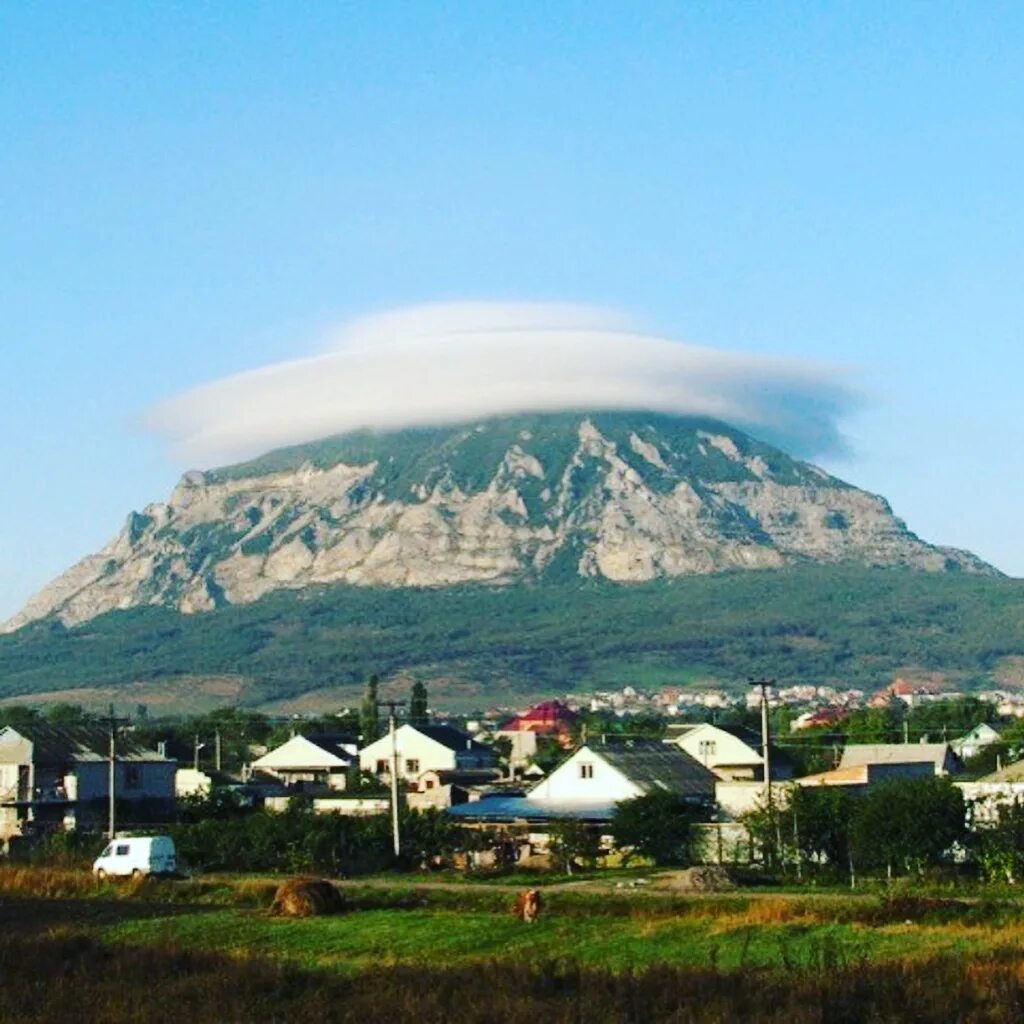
pixel 586 770
pixel 121 850
pixel 382 767
pixel 412 766
pixel 429 784
pixel 706 748
pixel 132 776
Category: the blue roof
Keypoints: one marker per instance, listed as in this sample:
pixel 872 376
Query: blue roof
pixel 512 808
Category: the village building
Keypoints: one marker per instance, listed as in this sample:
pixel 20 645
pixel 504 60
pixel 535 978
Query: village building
pixel 1000 788
pixel 732 753
pixel 983 735
pixel 311 764
pixel 423 748
pixel 54 777
pixel 588 785
pixel 938 755
pixel 550 718
pixel 440 788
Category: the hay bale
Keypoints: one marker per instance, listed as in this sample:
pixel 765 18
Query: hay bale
pixel 306 897
pixel 704 878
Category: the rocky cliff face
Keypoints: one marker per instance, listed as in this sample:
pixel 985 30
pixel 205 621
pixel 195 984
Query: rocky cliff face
pixel 626 496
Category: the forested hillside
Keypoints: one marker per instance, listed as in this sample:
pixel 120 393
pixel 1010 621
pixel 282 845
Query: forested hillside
pixel 812 624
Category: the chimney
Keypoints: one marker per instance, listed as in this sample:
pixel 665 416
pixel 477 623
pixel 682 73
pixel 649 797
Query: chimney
pixel 161 748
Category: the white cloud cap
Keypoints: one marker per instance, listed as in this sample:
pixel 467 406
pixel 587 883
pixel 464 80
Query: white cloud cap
pixel 450 362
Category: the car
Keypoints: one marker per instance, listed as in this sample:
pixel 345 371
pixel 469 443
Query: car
pixel 137 856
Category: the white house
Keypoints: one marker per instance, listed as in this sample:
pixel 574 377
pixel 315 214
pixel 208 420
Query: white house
pixel 733 753
pixel 981 736
pixel 54 776
pixel 423 748
pixel 311 762
pixel 986 795
pixel 598 777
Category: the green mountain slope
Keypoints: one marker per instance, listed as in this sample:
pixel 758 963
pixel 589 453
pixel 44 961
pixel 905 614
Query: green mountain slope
pixel 818 624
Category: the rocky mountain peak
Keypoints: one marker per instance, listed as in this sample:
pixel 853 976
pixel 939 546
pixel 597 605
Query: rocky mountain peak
pixel 625 496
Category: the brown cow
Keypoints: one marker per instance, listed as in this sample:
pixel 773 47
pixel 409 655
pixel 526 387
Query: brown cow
pixel 527 905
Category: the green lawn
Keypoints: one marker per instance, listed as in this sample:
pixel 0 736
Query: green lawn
pixel 356 940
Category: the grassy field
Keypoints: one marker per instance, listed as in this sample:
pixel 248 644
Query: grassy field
pixel 72 950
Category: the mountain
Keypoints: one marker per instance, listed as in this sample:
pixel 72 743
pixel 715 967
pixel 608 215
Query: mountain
pixel 625 497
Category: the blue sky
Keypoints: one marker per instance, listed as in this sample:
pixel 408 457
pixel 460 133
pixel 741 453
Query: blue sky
pixel 188 191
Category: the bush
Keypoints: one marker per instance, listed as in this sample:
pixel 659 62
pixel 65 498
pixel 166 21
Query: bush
pixel 658 826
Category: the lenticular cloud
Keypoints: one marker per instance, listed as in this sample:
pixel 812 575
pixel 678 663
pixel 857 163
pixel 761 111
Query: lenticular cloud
pixel 453 362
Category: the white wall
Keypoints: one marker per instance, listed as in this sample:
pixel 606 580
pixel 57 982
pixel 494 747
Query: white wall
pixel 710 746
pixel 570 782
pixel 412 746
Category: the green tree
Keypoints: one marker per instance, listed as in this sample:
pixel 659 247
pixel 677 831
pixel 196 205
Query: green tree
pixel 999 844
pixel 369 719
pixel 907 824
pixel 658 825
pixel 418 712
pixel 573 843
pixel 807 826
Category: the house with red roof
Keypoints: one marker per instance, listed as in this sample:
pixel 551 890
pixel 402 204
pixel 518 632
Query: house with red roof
pixel 549 718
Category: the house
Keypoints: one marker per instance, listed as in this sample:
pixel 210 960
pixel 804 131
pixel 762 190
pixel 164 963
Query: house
pixel 819 717
pixel 981 736
pixel 868 774
pixel 423 748
pixel 939 755
pixel 732 753
pixel 311 763
pixel 592 780
pixel 609 773
pixel 986 795
pixel 549 718
pixel 53 777
pixel 446 788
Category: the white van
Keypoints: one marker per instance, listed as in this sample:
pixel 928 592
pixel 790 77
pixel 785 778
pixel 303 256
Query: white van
pixel 137 856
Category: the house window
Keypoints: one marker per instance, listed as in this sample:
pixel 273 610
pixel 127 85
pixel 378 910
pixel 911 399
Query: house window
pixel 430 784
pixel 132 776
pixel 382 767
pixel 412 766
pixel 706 748
pixel 586 770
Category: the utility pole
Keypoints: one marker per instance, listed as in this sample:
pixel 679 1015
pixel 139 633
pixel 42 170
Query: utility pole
pixel 392 705
pixel 217 750
pixel 196 747
pixel 112 724
pixel 764 684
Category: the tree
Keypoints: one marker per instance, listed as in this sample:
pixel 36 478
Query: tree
pixel 418 712
pixel 573 843
pixel 369 721
pixel 999 844
pixel 907 824
pixel 658 825
pixel 805 826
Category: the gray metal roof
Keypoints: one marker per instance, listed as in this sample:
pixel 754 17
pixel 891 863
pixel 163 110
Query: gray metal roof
pixel 61 745
pixel 452 738
pixel 938 754
pixel 653 765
